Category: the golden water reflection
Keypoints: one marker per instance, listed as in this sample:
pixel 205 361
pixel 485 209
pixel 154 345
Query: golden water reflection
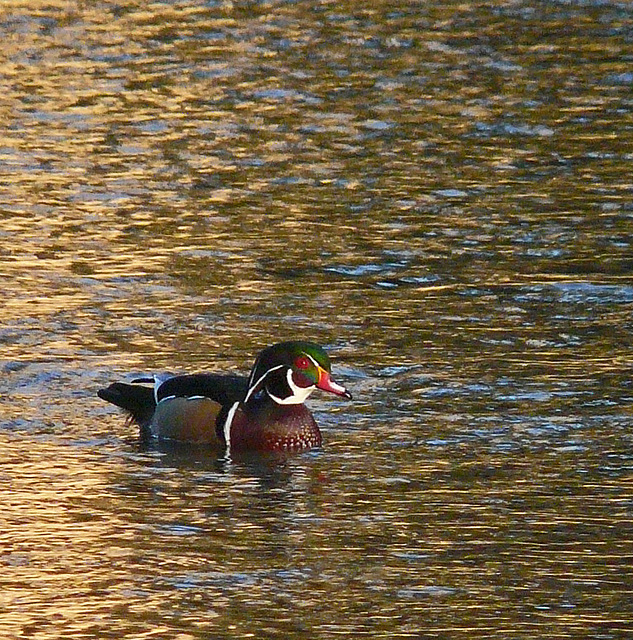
pixel 440 194
pixel 116 541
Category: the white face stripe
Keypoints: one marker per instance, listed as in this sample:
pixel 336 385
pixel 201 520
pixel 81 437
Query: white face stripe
pixel 314 362
pixel 252 374
pixel 299 394
pixel 252 387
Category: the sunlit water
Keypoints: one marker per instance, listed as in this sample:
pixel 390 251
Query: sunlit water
pixel 441 194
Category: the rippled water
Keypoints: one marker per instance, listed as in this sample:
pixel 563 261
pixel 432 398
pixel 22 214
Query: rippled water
pixel 441 194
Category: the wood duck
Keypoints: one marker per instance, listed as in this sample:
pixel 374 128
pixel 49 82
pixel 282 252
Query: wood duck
pixel 264 412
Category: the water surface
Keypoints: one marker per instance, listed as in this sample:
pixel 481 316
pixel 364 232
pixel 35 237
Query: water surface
pixel 440 193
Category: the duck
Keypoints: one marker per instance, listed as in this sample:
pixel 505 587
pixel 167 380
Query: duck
pixel 262 412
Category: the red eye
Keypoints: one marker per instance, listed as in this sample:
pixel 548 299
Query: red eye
pixel 302 362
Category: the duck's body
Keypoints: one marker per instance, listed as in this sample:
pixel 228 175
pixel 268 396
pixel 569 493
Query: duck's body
pixel 264 412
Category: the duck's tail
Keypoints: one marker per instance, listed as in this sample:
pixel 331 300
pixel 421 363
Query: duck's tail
pixel 136 399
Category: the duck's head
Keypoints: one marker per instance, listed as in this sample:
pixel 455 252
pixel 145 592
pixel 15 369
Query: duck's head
pixel 288 372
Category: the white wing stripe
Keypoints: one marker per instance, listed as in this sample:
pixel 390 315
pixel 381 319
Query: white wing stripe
pixel 227 427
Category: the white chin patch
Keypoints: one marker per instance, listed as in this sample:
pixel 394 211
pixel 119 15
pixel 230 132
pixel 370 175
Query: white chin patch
pixel 299 394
